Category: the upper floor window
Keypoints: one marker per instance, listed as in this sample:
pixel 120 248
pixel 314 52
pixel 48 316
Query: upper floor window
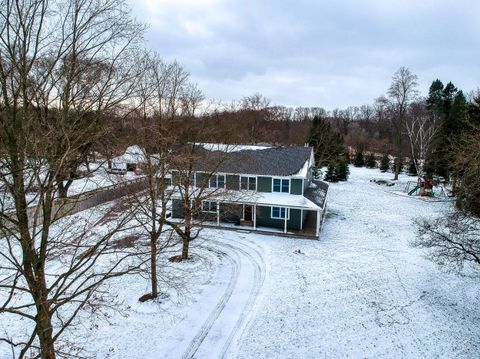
pixel 281 185
pixel 217 181
pixel 249 183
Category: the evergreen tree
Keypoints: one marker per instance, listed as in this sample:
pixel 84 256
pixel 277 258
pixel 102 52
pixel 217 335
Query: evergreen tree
pixel 331 175
pixel 327 143
pixel 385 163
pixel 371 163
pixel 359 161
pixel 435 96
pixel 343 170
pixel 450 106
pixel 329 150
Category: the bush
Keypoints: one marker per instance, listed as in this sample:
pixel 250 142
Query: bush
pixel 337 171
pixel 370 163
pixel 385 163
pixel 359 161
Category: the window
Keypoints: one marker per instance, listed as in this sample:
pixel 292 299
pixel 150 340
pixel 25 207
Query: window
pixel 279 213
pixel 209 206
pixel 281 185
pixel 217 181
pixel 249 183
pixel 192 179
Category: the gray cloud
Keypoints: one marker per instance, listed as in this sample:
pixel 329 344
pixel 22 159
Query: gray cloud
pixel 315 53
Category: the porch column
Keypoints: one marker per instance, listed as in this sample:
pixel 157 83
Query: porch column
pixel 255 216
pixel 301 219
pixel 285 222
pixel 318 224
pixel 218 213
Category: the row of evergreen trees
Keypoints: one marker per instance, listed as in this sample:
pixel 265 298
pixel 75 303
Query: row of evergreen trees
pixel 369 161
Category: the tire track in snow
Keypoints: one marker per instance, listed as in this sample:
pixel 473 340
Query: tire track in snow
pixel 234 252
pixel 259 278
pixel 202 333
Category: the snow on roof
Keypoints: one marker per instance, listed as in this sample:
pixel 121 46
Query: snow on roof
pixel 303 172
pixel 133 154
pixel 276 199
pixel 222 147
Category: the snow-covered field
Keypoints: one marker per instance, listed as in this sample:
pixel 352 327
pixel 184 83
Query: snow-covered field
pixel 360 292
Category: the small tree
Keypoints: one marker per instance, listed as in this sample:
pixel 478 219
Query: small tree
pixel 385 163
pixel 359 161
pixel 331 175
pixel 371 163
pixel 343 170
pixel 337 171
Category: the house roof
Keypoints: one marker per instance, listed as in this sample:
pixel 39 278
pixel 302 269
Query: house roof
pixel 268 161
pixel 317 192
pixel 133 154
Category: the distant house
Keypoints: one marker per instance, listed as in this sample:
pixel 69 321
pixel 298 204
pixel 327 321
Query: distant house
pixel 133 159
pixel 277 192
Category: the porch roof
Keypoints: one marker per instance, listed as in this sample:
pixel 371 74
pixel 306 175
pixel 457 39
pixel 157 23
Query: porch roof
pixel 263 198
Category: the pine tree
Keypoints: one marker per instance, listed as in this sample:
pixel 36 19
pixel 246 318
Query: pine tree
pixel 385 163
pixel 359 161
pixel 327 143
pixel 343 170
pixel 331 175
pixel 337 171
pixel 450 105
pixel 371 163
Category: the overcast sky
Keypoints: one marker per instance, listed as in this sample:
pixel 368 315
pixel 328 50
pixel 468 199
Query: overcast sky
pixel 315 53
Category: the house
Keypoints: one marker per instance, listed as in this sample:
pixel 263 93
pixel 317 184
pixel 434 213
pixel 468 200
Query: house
pixel 131 160
pixel 263 188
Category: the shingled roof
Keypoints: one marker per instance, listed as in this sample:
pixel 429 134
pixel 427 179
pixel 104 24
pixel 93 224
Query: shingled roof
pixel 273 161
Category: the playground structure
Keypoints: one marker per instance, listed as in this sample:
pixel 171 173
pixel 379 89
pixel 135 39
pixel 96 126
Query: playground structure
pixel 425 187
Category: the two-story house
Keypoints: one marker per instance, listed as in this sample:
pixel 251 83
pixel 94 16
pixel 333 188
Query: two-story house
pixel 263 188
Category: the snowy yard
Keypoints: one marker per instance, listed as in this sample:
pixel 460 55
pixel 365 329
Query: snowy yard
pixel 360 292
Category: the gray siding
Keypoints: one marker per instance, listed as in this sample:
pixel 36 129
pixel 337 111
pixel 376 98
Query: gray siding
pixel 201 179
pixel 233 182
pixel 264 184
pixel 296 186
pixel 177 208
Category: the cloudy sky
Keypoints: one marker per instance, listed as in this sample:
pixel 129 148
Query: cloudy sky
pixel 315 53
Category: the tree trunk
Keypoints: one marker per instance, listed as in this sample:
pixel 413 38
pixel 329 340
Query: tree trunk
pixel 186 242
pixel 62 190
pixel 153 264
pixel 397 169
pixel 45 330
pixel 186 236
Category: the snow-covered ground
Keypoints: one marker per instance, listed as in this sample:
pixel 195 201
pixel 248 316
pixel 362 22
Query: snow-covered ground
pixel 360 291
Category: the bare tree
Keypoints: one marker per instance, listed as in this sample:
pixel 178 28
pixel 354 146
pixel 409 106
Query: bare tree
pixel 421 129
pixel 401 93
pixel 164 93
pixel 63 66
pixel 196 184
pixel 453 241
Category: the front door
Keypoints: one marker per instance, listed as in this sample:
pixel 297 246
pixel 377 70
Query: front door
pixel 247 212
